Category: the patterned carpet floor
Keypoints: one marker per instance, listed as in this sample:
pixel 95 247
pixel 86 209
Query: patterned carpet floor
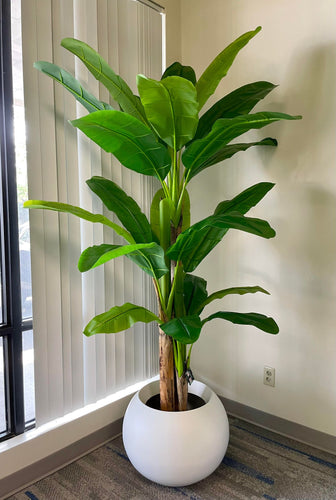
pixel 259 464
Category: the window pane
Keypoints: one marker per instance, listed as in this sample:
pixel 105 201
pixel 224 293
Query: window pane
pixel 3 425
pixel 28 375
pixel 20 158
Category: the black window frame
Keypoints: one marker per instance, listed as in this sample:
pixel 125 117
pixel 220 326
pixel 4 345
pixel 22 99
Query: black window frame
pixel 12 327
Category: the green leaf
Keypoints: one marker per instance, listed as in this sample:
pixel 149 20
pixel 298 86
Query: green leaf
pixel 219 67
pixel 78 212
pixel 185 211
pixel 151 260
pixel 195 294
pixel 192 246
pixel 148 256
pixel 177 69
pixel 239 102
pixel 260 321
pixel 223 131
pixel 186 330
pixel 228 151
pixel 99 68
pixel 131 142
pixel 245 200
pixel 171 108
pixel 155 213
pixel 210 236
pixel 125 208
pixel 241 290
pixel 70 83
pixel 100 254
pixel 119 318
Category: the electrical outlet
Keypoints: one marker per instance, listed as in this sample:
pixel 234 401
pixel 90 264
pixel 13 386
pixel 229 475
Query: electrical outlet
pixel 269 376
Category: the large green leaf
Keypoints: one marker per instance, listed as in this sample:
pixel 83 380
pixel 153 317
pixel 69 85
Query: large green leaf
pixel 196 242
pixel 151 260
pixel 79 212
pixel 211 236
pixel 239 102
pixel 239 290
pixel 119 318
pixel 171 108
pixel 177 69
pixel 219 67
pixel 126 209
pixel 117 87
pixel 100 254
pixel 70 83
pixel 245 200
pixel 260 321
pixel 195 293
pixel 186 330
pixel 228 151
pixel 148 256
pixel 155 213
pixel 223 131
pixel 131 142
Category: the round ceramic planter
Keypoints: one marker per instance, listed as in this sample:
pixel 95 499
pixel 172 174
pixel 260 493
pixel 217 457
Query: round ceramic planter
pixel 175 448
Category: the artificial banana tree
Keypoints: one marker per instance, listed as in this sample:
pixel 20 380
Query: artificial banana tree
pixel 164 134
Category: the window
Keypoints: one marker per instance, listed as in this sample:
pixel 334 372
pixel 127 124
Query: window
pixel 16 353
pixel 73 370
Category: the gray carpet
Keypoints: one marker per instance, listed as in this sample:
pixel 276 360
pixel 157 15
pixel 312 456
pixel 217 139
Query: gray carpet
pixel 258 465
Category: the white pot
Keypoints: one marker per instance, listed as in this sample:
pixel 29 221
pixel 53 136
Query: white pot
pixel 175 448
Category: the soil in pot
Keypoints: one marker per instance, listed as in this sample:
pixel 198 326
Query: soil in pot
pixel 194 402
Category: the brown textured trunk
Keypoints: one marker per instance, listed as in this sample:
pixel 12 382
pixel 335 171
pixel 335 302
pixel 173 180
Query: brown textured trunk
pixel 173 389
pixel 167 378
pixel 181 392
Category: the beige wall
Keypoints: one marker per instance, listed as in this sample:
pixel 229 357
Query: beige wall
pixel 173 29
pixel 296 49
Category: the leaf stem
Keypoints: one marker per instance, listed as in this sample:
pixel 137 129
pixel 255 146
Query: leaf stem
pixel 172 291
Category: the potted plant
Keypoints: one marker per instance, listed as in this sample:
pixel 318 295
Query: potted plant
pixel 163 133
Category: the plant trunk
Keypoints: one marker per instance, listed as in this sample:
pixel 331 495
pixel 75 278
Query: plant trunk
pixel 181 392
pixel 167 372
pixel 173 389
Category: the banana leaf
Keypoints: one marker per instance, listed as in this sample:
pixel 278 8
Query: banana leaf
pixel 219 67
pixel 245 200
pixel 70 83
pixel 177 69
pixel 260 321
pixel 79 212
pixel 151 260
pixel 119 318
pixel 185 330
pixel 228 151
pixel 195 294
pixel 125 208
pixel 148 256
pixel 131 142
pixel 99 68
pixel 224 131
pixel 155 213
pixel 194 244
pixel 241 203
pixel 173 98
pixel 239 290
pixel 239 102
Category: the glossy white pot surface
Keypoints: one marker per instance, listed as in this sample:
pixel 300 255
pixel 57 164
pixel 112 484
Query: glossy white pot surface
pixel 176 448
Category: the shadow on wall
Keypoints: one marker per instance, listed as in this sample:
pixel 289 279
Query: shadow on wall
pixel 310 91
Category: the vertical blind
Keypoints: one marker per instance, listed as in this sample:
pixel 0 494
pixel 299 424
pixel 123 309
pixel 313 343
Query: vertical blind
pixel 70 369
